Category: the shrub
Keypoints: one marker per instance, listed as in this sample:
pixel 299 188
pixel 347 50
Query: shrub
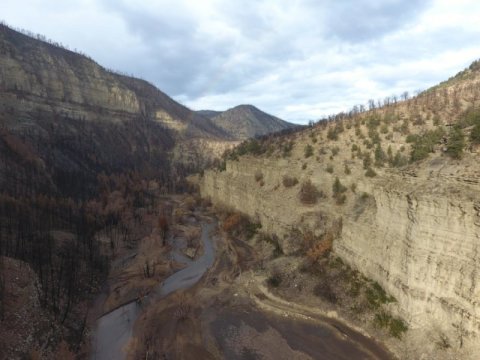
pixel 347 170
pixel 308 151
pixel 376 296
pixel 399 160
pixel 274 280
pixel 338 187
pixel 332 134
pixel 367 161
pixel 233 222
pixel 423 145
pixel 370 172
pixel 309 193
pixel 456 143
pixel 335 150
pixel 287 149
pixel 395 326
pixel 258 176
pixel 475 134
pixel 329 169
pixel 289 181
pixel 251 229
pixel 320 248
pixel 338 192
pixel 272 241
pixel 325 291
pixel 380 156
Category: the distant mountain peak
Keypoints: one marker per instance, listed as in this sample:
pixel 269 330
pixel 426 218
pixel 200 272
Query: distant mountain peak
pixel 246 121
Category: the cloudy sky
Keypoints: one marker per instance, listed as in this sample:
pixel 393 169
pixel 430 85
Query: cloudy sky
pixel 297 59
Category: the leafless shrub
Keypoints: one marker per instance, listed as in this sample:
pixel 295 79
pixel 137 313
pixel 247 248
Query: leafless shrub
pixel 309 194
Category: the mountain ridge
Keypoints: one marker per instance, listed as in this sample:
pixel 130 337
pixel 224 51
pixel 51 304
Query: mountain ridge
pixel 247 121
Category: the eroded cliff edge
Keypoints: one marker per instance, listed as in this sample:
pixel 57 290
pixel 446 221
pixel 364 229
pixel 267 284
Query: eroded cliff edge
pixel 417 234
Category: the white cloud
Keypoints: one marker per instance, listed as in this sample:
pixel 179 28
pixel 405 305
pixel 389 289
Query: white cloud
pixel 298 60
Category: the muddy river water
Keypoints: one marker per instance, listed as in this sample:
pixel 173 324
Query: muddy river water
pixel 238 332
pixel 114 329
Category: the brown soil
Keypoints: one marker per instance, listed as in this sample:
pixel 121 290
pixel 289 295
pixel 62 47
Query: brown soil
pixel 231 314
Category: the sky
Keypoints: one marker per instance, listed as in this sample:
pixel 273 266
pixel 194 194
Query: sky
pixel 300 60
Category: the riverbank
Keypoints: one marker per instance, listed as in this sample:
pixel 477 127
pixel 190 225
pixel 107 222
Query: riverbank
pixel 225 315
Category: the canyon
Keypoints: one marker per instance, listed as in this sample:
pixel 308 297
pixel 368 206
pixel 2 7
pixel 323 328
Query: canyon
pixel 361 227
pixel 414 229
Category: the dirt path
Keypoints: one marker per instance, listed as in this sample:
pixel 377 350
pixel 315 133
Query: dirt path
pixel 267 301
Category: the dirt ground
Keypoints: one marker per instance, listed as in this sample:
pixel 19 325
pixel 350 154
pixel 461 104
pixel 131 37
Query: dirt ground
pixel 231 313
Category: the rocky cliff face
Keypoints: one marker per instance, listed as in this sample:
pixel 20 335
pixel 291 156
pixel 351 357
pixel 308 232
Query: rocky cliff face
pixel 64 119
pixel 417 233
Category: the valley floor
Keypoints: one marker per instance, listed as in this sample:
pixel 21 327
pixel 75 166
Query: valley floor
pixel 231 312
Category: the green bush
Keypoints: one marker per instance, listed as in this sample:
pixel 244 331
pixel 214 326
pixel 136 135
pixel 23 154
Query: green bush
pixel 423 145
pixel 396 327
pixel 338 187
pixel 333 132
pixel 456 143
pixel 380 156
pixel 475 134
pixel 399 160
pixel 367 161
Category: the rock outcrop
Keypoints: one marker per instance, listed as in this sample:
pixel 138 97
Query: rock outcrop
pixel 418 236
pixel 64 119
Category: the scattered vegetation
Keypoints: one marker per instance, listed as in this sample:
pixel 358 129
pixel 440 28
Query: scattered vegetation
pixel 456 143
pixel 395 326
pixel 309 194
pixel 272 240
pixel 308 151
pixel 424 144
pixel 339 191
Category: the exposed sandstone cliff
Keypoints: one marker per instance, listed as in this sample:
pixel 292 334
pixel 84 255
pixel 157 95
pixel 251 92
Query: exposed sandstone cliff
pixel 415 231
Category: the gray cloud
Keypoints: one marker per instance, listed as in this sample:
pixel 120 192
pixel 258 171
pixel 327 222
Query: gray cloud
pixel 299 60
pixel 369 19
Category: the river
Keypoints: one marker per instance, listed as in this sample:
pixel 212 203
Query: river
pixel 114 329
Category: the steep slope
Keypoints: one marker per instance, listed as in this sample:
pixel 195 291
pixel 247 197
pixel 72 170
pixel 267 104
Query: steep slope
pixel 209 114
pixel 246 121
pixel 67 118
pixel 404 183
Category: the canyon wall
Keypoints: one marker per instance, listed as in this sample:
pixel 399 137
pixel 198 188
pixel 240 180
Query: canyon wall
pixel 418 236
